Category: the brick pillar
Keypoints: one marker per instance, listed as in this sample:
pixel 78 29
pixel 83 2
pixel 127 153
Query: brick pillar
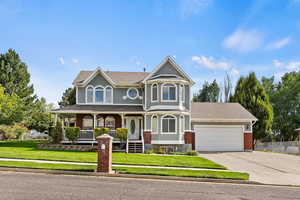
pixel 147 137
pixel 104 153
pixel 189 138
pixel 248 142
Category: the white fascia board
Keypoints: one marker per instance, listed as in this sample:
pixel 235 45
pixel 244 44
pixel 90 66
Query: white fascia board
pixel 221 120
pixel 94 112
pixel 86 81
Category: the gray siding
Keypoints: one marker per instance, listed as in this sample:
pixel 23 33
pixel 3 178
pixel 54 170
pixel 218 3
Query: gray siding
pixel 167 69
pixel 187 122
pixel 118 93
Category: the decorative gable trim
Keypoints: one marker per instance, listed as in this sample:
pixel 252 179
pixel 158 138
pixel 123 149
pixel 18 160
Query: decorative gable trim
pixel 93 75
pixel 174 64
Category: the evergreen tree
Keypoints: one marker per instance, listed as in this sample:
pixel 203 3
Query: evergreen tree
pixel 68 98
pixel 252 95
pixel 208 93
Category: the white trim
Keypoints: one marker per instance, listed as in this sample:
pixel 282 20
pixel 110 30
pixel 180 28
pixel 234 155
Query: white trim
pixel 97 112
pixel 145 102
pixel 161 124
pixel 171 107
pixel 166 112
pixel 154 115
pixel 218 126
pixel 182 126
pixel 220 120
pixel 137 93
pixel 162 90
pixel 76 94
pixel 102 89
pixel 174 64
pixel 168 81
pixel 117 104
pixel 167 142
pixel 157 92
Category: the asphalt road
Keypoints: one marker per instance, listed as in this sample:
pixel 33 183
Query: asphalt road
pixel 23 186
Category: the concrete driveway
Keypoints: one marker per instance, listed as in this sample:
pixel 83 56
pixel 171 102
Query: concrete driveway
pixel 263 167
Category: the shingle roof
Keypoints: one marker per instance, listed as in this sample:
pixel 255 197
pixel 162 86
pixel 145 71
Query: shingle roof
pixel 120 78
pixel 98 108
pixel 220 112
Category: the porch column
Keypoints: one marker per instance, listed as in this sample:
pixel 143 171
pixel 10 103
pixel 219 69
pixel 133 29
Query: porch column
pixel 95 119
pixel 55 119
pixel 122 118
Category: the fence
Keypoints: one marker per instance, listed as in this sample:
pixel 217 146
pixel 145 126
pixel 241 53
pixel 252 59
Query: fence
pixel 288 147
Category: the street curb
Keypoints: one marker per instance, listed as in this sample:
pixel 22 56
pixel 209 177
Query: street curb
pixel 149 177
pixel 153 177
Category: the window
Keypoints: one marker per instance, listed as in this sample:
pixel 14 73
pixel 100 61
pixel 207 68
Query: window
pixel 169 92
pixel 90 94
pixel 100 122
pixel 154 92
pixel 99 95
pixel 169 124
pixel 87 123
pixel 110 122
pixel 132 93
pixel 154 124
pixel 108 95
pixel 182 93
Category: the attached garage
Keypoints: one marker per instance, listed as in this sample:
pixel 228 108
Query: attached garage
pixel 221 127
pixel 219 138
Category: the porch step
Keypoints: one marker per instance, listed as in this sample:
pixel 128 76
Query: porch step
pixel 135 147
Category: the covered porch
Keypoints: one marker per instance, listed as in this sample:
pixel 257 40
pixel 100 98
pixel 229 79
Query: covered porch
pixel 89 117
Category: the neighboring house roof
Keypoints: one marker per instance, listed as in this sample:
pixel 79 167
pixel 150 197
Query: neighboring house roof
pixel 218 112
pixel 99 108
pixel 119 78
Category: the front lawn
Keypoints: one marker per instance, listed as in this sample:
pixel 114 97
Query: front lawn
pixel 28 150
pixel 132 170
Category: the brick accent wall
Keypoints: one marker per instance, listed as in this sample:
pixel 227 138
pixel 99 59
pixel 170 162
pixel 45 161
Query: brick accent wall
pixel 189 138
pixel 248 141
pixel 104 154
pixel 147 137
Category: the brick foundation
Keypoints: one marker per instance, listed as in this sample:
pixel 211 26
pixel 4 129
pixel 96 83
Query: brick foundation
pixel 147 137
pixel 189 138
pixel 248 142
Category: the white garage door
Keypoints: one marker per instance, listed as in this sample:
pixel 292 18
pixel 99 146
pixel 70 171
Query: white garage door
pixel 219 138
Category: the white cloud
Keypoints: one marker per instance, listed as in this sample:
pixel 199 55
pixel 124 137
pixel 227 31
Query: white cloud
pixel 234 72
pixel 279 43
pixel 293 65
pixel 75 60
pixel 210 63
pixel 192 7
pixel 62 60
pixel 244 40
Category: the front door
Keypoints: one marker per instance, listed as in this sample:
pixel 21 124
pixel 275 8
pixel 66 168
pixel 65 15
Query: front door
pixel 133 126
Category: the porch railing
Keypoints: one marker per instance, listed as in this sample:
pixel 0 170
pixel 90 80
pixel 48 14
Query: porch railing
pixel 89 134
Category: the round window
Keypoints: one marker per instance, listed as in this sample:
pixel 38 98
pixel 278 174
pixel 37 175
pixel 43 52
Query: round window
pixel 132 93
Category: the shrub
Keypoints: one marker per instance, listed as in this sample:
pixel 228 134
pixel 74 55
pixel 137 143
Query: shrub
pixel 72 133
pixel 13 132
pixel 191 153
pixel 101 131
pixel 122 133
pixel 56 133
pixel 149 151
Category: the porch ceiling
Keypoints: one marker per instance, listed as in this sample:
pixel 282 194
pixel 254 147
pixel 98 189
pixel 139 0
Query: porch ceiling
pixel 100 109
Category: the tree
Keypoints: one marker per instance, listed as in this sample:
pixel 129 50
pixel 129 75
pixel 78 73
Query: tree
pixel 68 98
pixel 11 108
pixel 252 95
pixel 208 93
pixel 227 88
pixel 39 117
pixel 285 98
pixel 14 76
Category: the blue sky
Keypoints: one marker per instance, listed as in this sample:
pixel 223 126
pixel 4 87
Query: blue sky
pixel 208 38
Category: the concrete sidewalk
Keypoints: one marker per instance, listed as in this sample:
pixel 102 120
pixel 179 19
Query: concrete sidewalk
pixel 114 165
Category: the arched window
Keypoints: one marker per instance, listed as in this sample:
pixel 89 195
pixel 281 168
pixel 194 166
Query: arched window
pixel 168 124
pixel 87 123
pixel 154 92
pixel 100 122
pixel 154 124
pixel 169 92
pixel 90 94
pixel 108 95
pixel 99 94
pixel 110 122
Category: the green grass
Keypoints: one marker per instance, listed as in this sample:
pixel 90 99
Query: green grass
pixel 28 150
pixel 132 170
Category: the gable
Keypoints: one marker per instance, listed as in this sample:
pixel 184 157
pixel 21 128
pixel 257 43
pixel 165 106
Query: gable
pixel 167 68
pixel 98 79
